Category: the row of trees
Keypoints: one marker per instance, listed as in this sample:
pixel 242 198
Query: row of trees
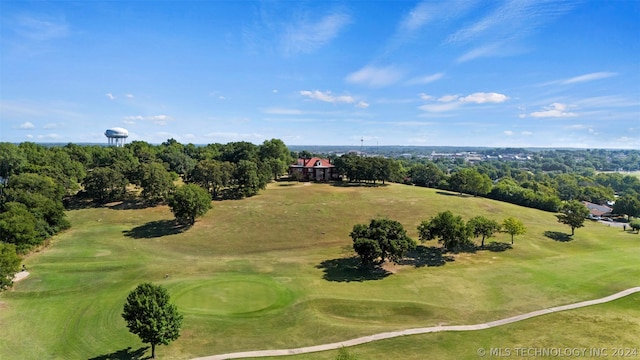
pixel 385 239
pixel 36 181
pixel 536 190
pixel 368 169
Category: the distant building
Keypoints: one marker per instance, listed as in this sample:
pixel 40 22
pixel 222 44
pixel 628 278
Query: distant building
pixel 116 136
pixel 597 211
pixel 314 169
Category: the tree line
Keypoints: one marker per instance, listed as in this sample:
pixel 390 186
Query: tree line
pixel 539 189
pixel 387 240
pixel 37 182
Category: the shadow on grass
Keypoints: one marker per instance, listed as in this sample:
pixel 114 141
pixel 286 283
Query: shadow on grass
pixel 558 236
pixel 129 205
pixel 456 194
pixel 124 354
pixel 429 256
pixel 356 184
pixel 154 229
pixel 495 246
pixel 350 269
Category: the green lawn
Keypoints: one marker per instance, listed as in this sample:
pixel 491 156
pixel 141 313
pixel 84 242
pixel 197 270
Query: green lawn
pixel 275 271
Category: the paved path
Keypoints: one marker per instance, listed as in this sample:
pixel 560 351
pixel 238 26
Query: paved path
pixel 20 275
pixel 392 334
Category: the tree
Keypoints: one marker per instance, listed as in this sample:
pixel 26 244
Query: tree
pixel 246 178
pixel 470 181
pixel 513 226
pixel 481 226
pixel 627 205
pixel 635 225
pixel 382 239
pixel 573 213
pixel 189 202
pixel 344 354
pixel 9 262
pixel 18 226
pixel 276 154
pixel 156 182
pixel 450 230
pixel 212 175
pixel 426 175
pixel 151 316
pixel 105 183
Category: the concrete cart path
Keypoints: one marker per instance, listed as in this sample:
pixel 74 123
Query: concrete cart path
pixel 20 275
pixel 392 334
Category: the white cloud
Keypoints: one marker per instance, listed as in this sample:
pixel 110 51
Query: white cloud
pixel 110 96
pixel 362 104
pixel 41 29
pixel 425 79
pixel 553 110
pixel 327 97
pixel 428 11
pixel 49 136
pixel 526 133
pixel 50 126
pixel 482 51
pixel 304 36
pixel 29 136
pixel 156 119
pixel 508 132
pixel 481 98
pixel 26 125
pixel 281 111
pixel 588 77
pixel 129 96
pixel 417 17
pixel 448 98
pixel 375 76
pixel 452 102
pixel 440 107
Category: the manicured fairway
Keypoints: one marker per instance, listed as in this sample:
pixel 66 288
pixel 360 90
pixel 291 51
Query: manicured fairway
pixel 276 271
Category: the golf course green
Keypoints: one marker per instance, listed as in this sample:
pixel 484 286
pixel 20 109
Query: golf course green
pixel 277 271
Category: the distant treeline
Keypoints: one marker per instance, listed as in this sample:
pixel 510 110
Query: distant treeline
pixel 36 181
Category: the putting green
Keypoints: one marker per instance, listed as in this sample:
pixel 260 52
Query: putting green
pixel 231 296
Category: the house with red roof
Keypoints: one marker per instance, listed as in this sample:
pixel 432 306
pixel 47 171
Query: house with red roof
pixel 314 169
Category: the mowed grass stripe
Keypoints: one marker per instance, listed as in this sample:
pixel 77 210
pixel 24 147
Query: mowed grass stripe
pixel 280 238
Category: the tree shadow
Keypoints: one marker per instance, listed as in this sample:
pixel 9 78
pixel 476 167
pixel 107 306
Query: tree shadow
pixel 357 184
pixel 350 269
pixel 558 236
pixel 495 246
pixel 154 229
pixel 124 354
pixel 456 194
pixel 429 256
pixel 130 205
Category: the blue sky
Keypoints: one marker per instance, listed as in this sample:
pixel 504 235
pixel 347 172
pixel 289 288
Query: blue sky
pixel 525 73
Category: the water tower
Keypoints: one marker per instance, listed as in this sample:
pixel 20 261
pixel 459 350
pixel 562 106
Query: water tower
pixel 116 136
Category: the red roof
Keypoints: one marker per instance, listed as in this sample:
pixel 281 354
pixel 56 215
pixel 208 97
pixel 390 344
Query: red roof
pixel 313 162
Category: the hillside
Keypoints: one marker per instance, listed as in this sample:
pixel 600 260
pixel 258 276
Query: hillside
pixel 276 271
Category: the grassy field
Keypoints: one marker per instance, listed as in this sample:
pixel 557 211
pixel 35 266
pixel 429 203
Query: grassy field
pixel 277 271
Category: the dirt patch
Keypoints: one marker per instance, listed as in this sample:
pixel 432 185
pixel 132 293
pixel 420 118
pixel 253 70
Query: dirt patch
pixel 391 267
